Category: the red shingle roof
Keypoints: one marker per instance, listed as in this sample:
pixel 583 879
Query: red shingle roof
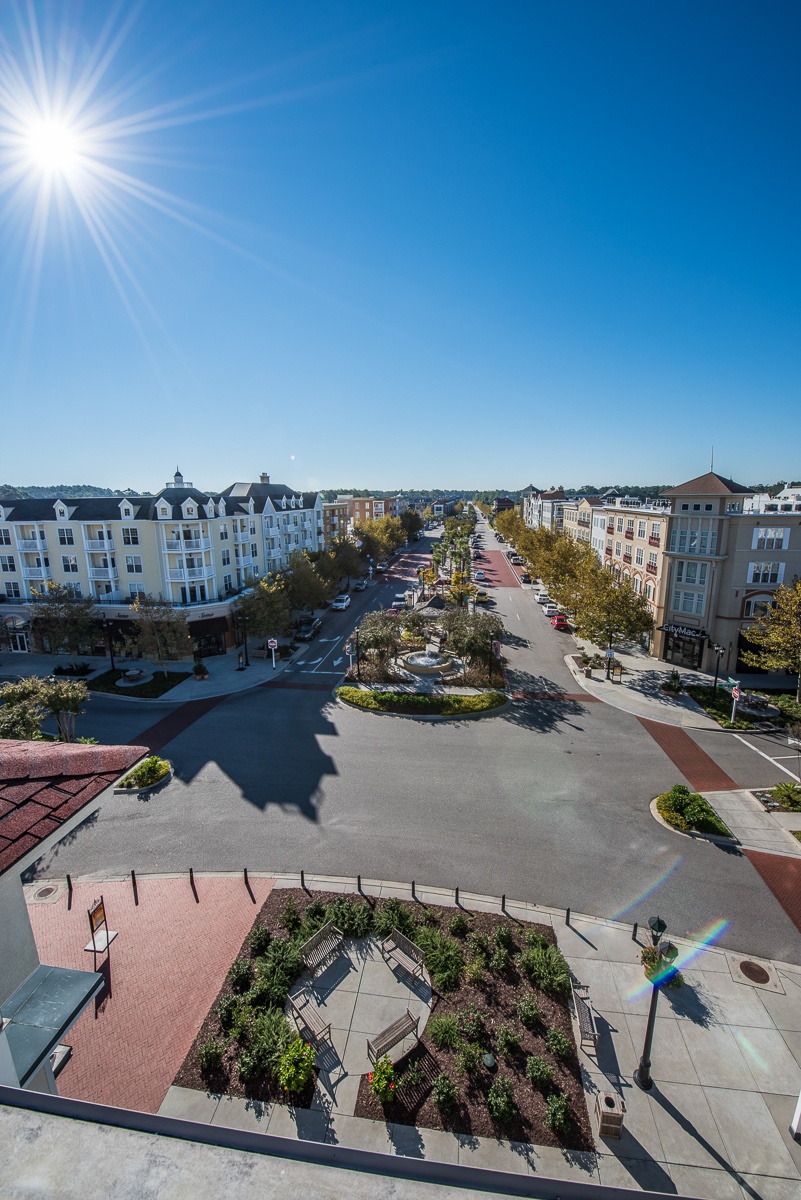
pixel 43 784
pixel 710 484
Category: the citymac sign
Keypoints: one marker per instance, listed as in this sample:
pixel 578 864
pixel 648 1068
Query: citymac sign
pixel 684 631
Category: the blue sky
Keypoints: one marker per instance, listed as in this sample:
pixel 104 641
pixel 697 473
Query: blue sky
pixel 445 245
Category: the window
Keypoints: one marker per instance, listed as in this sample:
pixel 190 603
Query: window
pixel 765 572
pixel 638 556
pixel 12 591
pixel 227 583
pixel 649 591
pixel 226 558
pixel 655 529
pixel 696 508
pixel 5 537
pixel 641 529
pixel 691 572
pixel 620 524
pixel 757 606
pixel 190 512
pixel 685 508
pixel 126 512
pixel 652 558
pixel 253 528
pixel 770 539
pixel 707 508
pixel 254 550
pixel 630 525
pixel 69 563
pixel 7 562
pixel 688 602
pixel 637 584
pixel 74 590
pixel 223 533
pixel 130 536
pixel 133 564
pixel 618 547
pixel 66 537
pixel 136 589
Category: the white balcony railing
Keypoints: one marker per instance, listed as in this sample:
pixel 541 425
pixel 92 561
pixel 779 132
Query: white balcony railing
pixel 98 545
pixel 31 545
pixel 103 572
pixel 36 573
pixel 178 545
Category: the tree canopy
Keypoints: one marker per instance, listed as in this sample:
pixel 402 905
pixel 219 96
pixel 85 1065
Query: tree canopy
pixel 62 620
pixel 777 635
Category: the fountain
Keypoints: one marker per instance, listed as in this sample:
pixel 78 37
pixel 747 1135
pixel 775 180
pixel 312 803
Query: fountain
pixel 426 662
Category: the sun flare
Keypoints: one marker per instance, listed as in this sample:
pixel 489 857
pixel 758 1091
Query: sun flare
pixel 52 146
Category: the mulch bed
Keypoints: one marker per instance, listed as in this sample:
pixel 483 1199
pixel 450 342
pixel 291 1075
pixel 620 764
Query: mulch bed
pixel 151 690
pixel 227 1078
pixel 414 1105
pixel 771 802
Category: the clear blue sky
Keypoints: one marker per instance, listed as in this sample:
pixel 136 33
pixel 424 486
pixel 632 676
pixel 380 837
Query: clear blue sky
pixel 426 244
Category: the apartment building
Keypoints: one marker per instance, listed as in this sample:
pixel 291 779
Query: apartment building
pixel 501 504
pixel 360 508
pixel 577 517
pixel 709 556
pixel 196 550
pixel 335 522
pixel 544 509
pixel 443 507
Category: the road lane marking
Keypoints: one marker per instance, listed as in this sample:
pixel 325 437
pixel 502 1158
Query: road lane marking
pixel 767 756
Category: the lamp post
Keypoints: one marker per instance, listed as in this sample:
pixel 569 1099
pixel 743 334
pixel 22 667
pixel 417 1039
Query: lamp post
pixel 243 624
pixel 107 628
pixel 358 660
pixel 719 652
pixel 667 953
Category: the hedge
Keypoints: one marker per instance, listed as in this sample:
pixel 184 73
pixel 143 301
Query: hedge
pixel 413 703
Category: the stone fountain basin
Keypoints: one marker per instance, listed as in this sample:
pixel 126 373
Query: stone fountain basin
pixel 421 668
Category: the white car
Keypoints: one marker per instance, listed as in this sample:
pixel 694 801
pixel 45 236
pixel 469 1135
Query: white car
pixel 543 598
pixel 551 610
pixel 479 575
pixel 340 602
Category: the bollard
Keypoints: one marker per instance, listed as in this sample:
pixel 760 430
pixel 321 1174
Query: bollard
pixel 303 881
pixel 634 932
pixel 359 885
pixel 247 885
pixel 69 892
pixel 414 893
pixel 456 897
pixel 135 888
pixel 503 903
pixel 192 885
pixel 567 916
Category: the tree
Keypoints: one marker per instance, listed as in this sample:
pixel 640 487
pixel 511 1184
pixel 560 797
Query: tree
pixel 613 612
pixel 304 587
pixel 30 700
pixel 510 524
pixel 380 632
pixel 777 635
pixel 347 559
pixel 62 619
pixel 162 633
pixel 266 609
pixel 411 522
pixel 379 538
pixel 461 589
pixel 471 635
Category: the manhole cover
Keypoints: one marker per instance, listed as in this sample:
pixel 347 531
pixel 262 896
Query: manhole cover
pixel 754 972
pixel 44 892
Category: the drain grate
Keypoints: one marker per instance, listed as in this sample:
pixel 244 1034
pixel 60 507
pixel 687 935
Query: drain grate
pixel 754 972
pixel 43 892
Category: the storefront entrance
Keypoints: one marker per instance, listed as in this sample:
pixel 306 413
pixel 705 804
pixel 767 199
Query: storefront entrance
pixel 18 643
pixel 684 651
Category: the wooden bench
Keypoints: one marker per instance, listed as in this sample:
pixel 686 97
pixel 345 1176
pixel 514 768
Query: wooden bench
pixel 321 946
pixel 380 1045
pixel 306 1014
pixel 585 1016
pixel 404 952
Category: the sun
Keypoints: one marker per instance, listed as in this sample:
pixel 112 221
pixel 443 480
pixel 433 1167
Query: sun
pixel 52 146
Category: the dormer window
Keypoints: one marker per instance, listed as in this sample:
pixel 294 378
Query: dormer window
pixel 283 501
pixel 126 512
pixel 190 512
pixel 62 512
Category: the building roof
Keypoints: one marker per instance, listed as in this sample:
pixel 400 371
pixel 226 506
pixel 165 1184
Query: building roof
pixel 43 784
pixel 554 494
pixel 710 484
pixel 593 500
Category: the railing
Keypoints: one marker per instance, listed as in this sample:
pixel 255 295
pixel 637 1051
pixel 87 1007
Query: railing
pixel 98 545
pixel 112 598
pixel 626 558
pixel 653 541
pixel 103 572
pixel 178 545
pixel 608 551
pixel 36 573
pixel 610 529
pixel 651 568
pixel 31 545
pixel 629 535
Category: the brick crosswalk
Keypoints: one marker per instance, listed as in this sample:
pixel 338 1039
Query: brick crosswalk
pixel 167 965
pixel 703 772
pixel 782 874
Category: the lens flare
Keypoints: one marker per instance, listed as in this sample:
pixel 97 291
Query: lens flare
pixel 702 940
pixel 649 891
pixel 53 146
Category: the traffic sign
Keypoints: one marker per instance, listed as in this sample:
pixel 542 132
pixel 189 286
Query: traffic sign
pixel 732 682
pixel 735 692
pixel 272 644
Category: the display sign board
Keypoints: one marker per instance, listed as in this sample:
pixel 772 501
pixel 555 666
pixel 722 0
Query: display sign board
pixel 272 644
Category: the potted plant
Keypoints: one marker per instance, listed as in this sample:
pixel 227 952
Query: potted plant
pixel 199 669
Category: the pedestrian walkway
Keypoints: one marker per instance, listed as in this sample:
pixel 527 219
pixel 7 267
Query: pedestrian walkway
pixel 726 1058
pixel 752 826
pixel 701 771
pixel 640 690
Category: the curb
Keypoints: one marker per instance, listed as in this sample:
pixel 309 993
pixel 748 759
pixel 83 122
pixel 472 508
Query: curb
pixel 660 719
pixel 693 834
pixel 373 712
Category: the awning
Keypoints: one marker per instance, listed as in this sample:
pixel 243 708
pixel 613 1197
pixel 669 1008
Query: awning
pixel 210 625
pixel 40 1012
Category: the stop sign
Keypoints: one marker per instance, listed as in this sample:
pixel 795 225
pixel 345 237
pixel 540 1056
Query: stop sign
pixel 735 693
pixel 272 644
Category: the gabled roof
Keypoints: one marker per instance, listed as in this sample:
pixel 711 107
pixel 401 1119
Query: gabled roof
pixel 593 500
pixel 554 494
pixel 710 484
pixel 43 784
pixel 260 493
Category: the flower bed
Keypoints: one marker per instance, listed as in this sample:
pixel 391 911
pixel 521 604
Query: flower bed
pixel 148 773
pixel 420 704
pixel 784 797
pixel 155 687
pixel 686 810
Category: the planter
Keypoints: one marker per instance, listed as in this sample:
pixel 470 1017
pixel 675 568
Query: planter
pixel 198 677
pixel 143 791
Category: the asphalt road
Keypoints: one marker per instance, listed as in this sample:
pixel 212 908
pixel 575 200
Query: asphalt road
pixel 547 802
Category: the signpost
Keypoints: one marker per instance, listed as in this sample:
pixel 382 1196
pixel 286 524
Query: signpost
pixel 735 696
pixel 272 645
pixel 349 652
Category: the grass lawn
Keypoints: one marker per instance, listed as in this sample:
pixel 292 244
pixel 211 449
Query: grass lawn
pixel 718 707
pixel 155 687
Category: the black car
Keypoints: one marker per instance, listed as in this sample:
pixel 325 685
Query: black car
pixel 308 630
pixel 525 577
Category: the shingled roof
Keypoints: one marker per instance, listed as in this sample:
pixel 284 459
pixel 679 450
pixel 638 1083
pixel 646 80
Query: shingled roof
pixel 710 484
pixel 43 784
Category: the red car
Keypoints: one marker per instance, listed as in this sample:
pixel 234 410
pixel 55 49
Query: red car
pixel 560 622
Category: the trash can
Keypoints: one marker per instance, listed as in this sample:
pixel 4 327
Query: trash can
pixel 588 672
pixel 609 1110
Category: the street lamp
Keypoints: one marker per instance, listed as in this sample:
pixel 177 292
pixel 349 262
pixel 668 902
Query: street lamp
pixel 661 973
pixel 242 621
pixel 719 652
pixel 107 628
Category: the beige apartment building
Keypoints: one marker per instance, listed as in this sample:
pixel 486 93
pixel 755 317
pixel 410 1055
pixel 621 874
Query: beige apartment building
pixel 709 556
pixel 196 550
pixel 577 517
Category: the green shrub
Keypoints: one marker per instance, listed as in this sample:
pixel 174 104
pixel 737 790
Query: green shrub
pixel 429 916
pixel 529 1011
pixel 355 919
pixel 475 971
pixel 788 794
pixel 539 1072
pixel 469 1058
pixel 271 1035
pixel 210 1055
pixel 688 810
pixel 258 940
pixel 382 1080
pixel 291 918
pixel 150 771
pixel 479 944
pixel 458 925
pixel 241 974
pixel 276 971
pixel 391 914
pixel 295 1066
pixel 443 957
pixel 508 1039
pixel 559 1043
pixel 546 968
pixel 445 1093
pixel 413 1076
pixel 504 937
pixel 557 1112
pixel 501 960
pixel 444 1031
pixel 442 704
pixel 471 1022
pixel 226 1011
pixel 242 1021
pixel 500 1099
pixel 536 940
pixel 789 706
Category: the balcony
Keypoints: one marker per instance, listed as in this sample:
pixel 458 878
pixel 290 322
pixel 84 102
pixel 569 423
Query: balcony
pixel 103 573
pixel 179 574
pixel 651 568
pixel 610 529
pixel 653 541
pixel 31 545
pixel 36 573
pixel 98 545
pixel 608 551
pixel 178 545
pixel 626 558
pixel 629 535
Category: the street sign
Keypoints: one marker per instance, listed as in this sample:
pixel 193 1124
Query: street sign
pixel 272 644
pixel 732 682
pixel 610 652
pixel 735 693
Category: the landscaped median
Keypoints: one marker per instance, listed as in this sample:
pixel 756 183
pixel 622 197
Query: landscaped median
pixel 416 704
pixel 689 813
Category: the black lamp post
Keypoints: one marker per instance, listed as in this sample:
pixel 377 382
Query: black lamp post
pixel 660 974
pixel 243 625
pixel 358 661
pixel 719 652
pixel 107 628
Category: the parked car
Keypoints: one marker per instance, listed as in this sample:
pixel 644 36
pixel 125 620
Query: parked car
pixel 550 610
pixel 360 585
pixel 543 598
pixel 479 575
pixel 308 630
pixel 341 602
pixel 560 622
pixel 481 596
pixel 525 577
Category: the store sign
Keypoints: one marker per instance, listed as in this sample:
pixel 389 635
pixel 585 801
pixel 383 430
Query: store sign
pixel 683 631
